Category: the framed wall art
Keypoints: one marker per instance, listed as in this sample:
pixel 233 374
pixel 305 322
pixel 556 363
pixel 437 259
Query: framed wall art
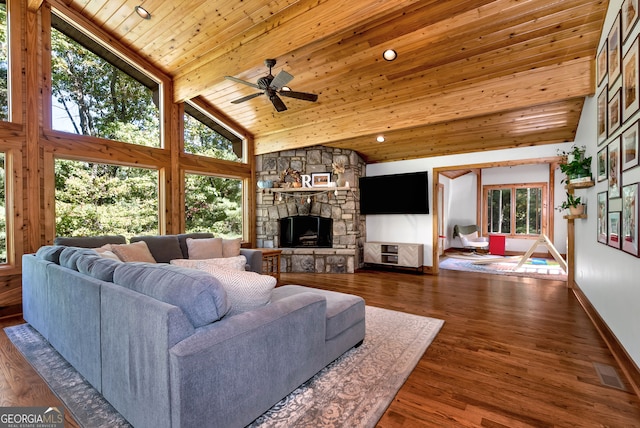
pixel 630 92
pixel 629 17
pixel 629 226
pixel 614 112
pixel 602 116
pixel 614 168
pixel 614 230
pixel 629 147
pixel 602 217
pixel 320 179
pixel 602 164
pixel 614 51
pixel 601 64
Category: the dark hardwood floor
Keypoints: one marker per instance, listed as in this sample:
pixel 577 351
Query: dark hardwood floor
pixel 513 352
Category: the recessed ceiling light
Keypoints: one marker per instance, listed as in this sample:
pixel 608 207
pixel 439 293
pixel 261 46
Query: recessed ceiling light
pixel 389 55
pixel 142 12
pixel 380 139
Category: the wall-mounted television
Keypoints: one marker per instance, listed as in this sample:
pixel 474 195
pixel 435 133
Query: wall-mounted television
pixel 395 194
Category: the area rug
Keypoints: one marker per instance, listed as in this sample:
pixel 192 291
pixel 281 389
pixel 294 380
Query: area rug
pixel 533 268
pixel 355 390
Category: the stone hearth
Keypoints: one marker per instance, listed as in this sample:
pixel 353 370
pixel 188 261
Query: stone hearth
pixel 340 205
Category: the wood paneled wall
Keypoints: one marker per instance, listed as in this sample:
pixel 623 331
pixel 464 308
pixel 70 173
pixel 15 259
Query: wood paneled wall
pixel 32 146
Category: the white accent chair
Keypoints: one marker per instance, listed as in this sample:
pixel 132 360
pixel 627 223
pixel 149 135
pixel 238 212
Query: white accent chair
pixel 470 238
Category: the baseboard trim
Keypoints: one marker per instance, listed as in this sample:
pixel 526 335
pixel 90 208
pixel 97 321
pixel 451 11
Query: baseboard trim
pixel 627 365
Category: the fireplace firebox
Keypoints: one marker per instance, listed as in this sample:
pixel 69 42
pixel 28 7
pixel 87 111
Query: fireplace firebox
pixel 306 231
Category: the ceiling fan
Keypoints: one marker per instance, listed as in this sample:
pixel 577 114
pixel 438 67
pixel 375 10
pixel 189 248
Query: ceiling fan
pixel 272 87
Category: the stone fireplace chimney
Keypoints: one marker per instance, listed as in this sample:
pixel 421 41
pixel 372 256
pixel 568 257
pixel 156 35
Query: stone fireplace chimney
pixel 336 208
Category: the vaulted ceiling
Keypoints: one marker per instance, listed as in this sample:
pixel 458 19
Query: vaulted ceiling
pixel 471 75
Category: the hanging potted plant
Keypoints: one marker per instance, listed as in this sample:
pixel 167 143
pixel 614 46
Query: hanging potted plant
pixel 573 204
pixel 576 165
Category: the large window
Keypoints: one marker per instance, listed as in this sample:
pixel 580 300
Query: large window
pixel 4 63
pixel 517 210
pixel 96 93
pixel 97 199
pixel 204 136
pixel 213 204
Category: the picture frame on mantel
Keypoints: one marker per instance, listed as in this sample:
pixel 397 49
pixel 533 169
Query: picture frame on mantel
pixel 629 17
pixel 320 179
pixel 629 221
pixel 602 116
pixel 614 51
pixel 629 147
pixel 603 207
pixel 630 91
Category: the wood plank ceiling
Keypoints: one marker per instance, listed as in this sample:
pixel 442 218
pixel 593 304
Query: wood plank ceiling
pixel 470 75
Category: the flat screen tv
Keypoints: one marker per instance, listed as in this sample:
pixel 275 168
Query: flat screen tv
pixel 395 194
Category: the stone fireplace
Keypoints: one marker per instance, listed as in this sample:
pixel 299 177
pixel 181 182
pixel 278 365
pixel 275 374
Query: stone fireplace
pixel 318 229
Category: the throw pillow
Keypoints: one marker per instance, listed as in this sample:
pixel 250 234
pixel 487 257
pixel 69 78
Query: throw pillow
pixel 233 263
pixel 206 248
pixel 105 252
pixel 470 237
pixel 246 290
pixel 230 247
pixel 136 252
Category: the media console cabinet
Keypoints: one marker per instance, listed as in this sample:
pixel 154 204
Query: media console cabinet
pixel 399 254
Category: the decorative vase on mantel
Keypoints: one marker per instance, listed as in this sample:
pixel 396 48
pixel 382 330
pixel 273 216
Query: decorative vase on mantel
pixel 340 181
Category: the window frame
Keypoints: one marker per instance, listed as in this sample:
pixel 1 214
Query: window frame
pixel 513 186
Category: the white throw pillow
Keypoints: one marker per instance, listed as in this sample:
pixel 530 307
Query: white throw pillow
pixel 470 236
pixel 233 263
pixel 246 290
pixel 205 248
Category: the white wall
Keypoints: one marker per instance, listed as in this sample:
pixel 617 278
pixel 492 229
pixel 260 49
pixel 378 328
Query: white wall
pixel 608 277
pixel 418 228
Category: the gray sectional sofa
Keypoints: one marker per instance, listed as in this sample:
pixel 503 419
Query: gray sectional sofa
pixel 157 341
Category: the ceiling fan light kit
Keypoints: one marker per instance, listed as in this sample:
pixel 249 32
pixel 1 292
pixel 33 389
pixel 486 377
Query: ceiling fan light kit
pixel 272 87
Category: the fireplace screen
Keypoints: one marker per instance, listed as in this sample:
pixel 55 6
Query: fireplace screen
pixel 306 231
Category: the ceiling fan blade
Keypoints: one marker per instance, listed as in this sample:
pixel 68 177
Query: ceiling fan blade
pixel 299 95
pixel 244 82
pixel 247 98
pixel 277 103
pixel 280 80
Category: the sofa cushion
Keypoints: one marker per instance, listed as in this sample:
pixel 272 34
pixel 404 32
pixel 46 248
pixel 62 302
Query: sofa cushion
pixel 98 267
pixel 163 248
pixel 70 255
pixel 246 290
pixel 200 296
pixel 89 241
pixel 136 252
pixel 50 253
pixel 233 263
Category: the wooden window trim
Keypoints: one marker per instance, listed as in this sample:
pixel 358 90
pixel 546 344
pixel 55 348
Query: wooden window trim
pixel 513 187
